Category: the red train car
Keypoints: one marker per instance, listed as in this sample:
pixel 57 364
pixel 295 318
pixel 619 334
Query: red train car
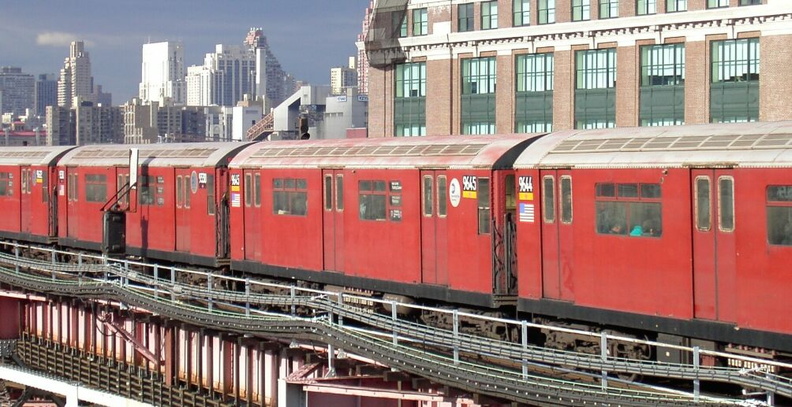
pixel 423 217
pixel 27 201
pixel 177 211
pixel 676 230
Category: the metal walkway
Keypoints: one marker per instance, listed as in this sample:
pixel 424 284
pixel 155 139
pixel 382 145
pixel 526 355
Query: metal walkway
pixel 517 372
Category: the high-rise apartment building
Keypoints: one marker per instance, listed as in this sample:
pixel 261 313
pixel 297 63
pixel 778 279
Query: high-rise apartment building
pixel 163 73
pixel 362 57
pixel 507 66
pixel 75 78
pixel 46 93
pixel 277 84
pixel 342 77
pixel 226 77
pixel 16 91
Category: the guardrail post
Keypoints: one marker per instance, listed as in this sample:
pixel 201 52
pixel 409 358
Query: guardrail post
pixel 524 335
pixel 247 296
pixel 156 281
pixel 604 354
pixel 341 307
pixel 456 337
pixel 331 372
pixel 16 255
pixel 293 296
pixel 79 259
pixel 394 317
pixel 173 283
pixel 696 381
pixel 770 395
pixel 209 284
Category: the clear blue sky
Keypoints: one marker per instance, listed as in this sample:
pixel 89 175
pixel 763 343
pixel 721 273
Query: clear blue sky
pixel 307 37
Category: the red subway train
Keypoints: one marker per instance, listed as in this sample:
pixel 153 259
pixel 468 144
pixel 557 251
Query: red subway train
pixel 682 233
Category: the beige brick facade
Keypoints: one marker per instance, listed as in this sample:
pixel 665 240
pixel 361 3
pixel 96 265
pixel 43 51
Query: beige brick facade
pixel 444 48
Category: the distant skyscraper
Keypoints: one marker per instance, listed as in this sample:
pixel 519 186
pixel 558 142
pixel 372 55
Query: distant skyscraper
pixel 362 60
pixel 16 91
pixel 163 73
pixel 278 84
pixel 46 93
pixel 75 77
pixel 343 77
pixel 225 77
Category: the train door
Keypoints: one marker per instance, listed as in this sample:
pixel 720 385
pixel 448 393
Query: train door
pixel 26 199
pixel 251 191
pixel 434 229
pixel 557 240
pixel 183 203
pixel 333 224
pixel 72 206
pixel 714 268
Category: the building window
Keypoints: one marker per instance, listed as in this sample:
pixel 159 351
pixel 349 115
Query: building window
pixel 630 209
pixel 734 92
pixel 96 188
pixel 673 6
pixel 478 95
pixel 400 22
pixel 662 100
pixel 779 215
pixel 534 93
pixel 717 3
pixel 645 7
pixel 546 11
pixel 595 88
pixel 489 15
pixel 750 2
pixel 289 196
pixel 465 14
pixel 581 10
pixel 522 12
pixel 410 101
pixel 420 22
pixel 379 200
pixel 609 9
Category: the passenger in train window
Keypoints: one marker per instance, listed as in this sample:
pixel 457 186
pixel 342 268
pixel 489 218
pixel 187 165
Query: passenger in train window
pixel 617 229
pixel 637 230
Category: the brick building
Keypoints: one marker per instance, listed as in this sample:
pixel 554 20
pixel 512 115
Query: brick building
pixel 481 67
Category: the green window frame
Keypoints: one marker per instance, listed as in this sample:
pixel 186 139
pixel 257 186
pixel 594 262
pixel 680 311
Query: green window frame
pixel 673 6
pixel 479 76
pixel 400 23
pixel 662 91
pixel 735 74
pixel 534 92
pixel 465 17
pixel 750 2
pixel 521 13
pixel 484 206
pixel 595 88
pixel 489 15
pixel 608 9
pixel 545 11
pixel 410 100
pixel 717 3
pixel 581 10
pixel 420 22
pixel 646 7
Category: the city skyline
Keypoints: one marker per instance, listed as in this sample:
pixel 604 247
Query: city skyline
pixel 308 38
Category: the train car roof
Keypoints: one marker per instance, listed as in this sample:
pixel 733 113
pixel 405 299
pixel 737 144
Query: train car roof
pixel 38 155
pixel 154 155
pixel 490 151
pixel 757 144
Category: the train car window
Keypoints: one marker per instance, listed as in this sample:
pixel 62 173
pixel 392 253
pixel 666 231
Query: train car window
pixel 187 192
pixel 511 198
pixel 248 190
pixel 703 222
pixel 371 200
pixel 96 188
pixel 629 209
pixel 211 207
pixel 289 196
pixel 257 190
pixel 726 204
pixel 442 199
pixel 44 187
pixel 548 201
pixel 72 188
pixel 428 195
pixel 340 192
pixel 484 209
pixel 6 184
pixel 566 199
pixel 779 215
pixel 179 191
pixel 24 181
pixel 328 192
pixel 122 180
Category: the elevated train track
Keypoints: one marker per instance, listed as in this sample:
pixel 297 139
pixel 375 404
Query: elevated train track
pixel 513 371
